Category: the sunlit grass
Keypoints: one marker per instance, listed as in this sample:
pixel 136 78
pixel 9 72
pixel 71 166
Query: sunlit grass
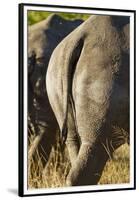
pixel 36 16
pixel 58 166
pixel 117 169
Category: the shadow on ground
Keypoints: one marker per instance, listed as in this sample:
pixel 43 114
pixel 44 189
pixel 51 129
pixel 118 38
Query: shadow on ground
pixel 13 191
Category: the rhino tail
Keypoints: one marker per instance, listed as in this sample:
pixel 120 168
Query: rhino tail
pixel 70 64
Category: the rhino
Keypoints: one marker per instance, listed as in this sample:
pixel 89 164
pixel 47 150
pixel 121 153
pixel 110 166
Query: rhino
pixel 87 83
pixel 43 37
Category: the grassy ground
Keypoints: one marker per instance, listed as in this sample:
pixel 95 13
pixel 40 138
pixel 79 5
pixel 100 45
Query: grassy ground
pixel 55 172
pixel 116 170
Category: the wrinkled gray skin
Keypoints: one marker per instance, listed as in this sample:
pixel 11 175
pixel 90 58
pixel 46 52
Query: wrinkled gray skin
pixel 88 88
pixel 43 37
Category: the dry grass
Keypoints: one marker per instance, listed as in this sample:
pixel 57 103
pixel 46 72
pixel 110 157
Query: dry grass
pixel 55 172
pixel 116 169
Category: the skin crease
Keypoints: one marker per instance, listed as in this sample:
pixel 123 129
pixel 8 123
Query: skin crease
pixel 43 37
pixel 89 92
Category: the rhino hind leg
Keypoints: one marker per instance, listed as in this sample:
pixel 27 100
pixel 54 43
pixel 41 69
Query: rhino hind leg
pixel 88 166
pixel 72 142
pixel 81 172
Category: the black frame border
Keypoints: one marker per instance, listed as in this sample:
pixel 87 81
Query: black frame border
pixel 21 99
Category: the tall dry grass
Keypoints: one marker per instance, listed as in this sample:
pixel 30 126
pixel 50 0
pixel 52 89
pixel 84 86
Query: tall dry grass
pixel 117 169
pixel 54 175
